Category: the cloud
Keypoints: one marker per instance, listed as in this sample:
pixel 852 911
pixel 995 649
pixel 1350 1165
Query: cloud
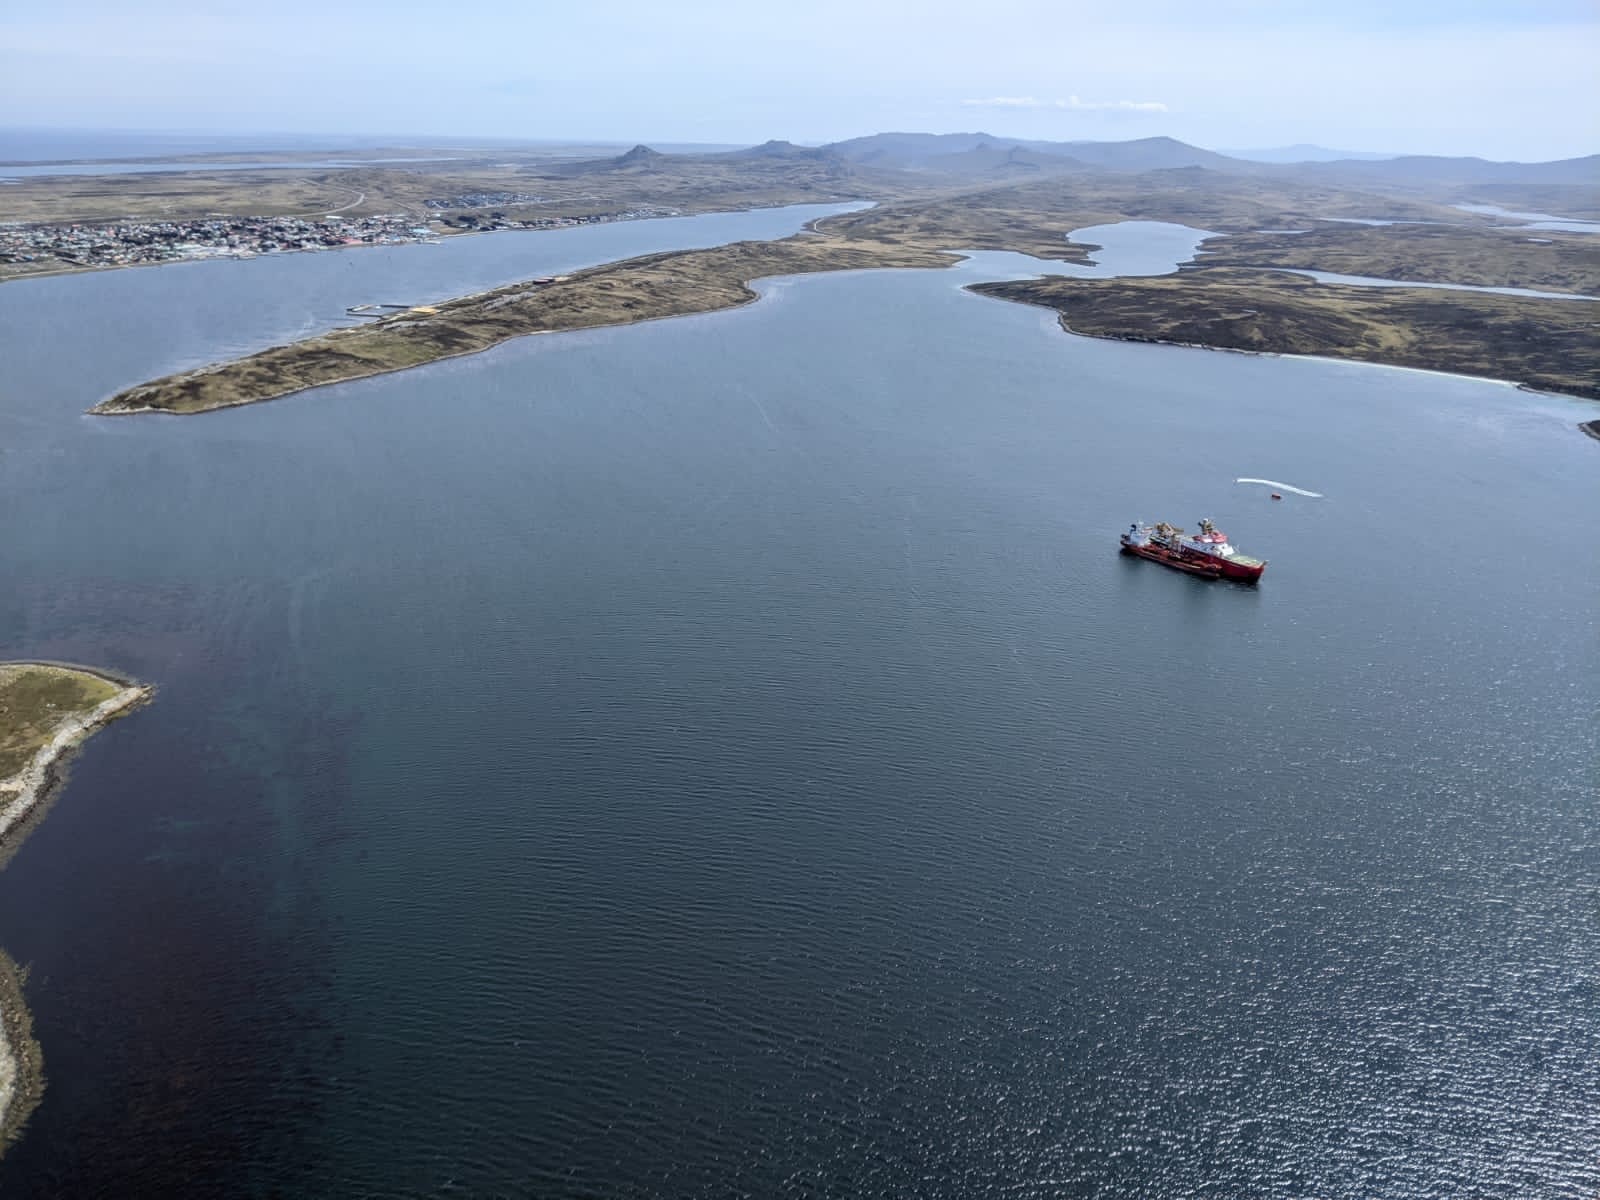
pixel 1007 102
pixel 1070 104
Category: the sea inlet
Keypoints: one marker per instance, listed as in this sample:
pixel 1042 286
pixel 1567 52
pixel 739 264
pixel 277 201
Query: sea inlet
pixel 727 756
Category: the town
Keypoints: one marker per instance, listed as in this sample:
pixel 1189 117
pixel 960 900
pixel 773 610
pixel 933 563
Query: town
pixel 484 200
pixel 130 243
pixel 474 222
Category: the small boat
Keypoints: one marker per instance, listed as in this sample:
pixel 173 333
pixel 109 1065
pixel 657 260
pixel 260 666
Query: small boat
pixel 1207 553
pixel 1277 496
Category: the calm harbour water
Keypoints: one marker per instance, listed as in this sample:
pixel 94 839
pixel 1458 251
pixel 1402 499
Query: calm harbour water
pixel 725 756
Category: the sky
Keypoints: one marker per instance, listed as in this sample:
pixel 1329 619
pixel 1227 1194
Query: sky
pixel 1501 80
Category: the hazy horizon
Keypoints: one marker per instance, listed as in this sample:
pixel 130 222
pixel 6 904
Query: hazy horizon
pixel 1495 80
pixel 200 141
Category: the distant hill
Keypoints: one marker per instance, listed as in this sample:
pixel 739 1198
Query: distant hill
pixel 940 151
pixel 1302 152
pixel 639 156
pixel 1002 160
pixel 1427 168
pixel 910 149
pixel 984 153
pixel 1145 154
pixel 786 150
pixel 983 156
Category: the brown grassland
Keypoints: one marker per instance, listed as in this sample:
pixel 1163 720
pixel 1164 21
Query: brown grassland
pixel 1552 345
pixel 35 700
pixel 1482 256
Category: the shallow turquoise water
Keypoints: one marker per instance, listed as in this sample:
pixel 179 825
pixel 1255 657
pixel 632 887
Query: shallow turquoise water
pixel 725 756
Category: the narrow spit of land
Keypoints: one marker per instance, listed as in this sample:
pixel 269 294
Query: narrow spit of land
pixel 657 285
pixel 46 711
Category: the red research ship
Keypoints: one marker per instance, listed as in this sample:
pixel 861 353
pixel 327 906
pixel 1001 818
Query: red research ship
pixel 1207 553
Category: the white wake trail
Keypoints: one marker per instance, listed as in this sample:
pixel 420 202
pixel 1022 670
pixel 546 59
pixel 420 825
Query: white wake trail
pixel 1287 487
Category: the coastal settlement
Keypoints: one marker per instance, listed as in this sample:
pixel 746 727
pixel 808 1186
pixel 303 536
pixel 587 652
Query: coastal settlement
pixel 132 243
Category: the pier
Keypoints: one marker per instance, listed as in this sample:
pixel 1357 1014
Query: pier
pixel 377 310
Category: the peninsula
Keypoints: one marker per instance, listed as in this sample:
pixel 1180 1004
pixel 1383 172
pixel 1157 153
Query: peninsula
pixel 1547 345
pixel 654 286
pixel 46 711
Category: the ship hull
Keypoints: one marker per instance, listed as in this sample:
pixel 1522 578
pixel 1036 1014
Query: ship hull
pixel 1192 560
pixel 1241 572
pixel 1172 558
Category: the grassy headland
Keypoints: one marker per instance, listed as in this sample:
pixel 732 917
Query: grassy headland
pixel 657 285
pixel 1551 345
pixel 45 712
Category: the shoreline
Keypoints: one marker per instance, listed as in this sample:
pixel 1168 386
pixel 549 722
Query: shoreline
pixel 224 406
pixel 680 283
pixel 1534 344
pixel 21 1062
pixel 750 297
pixel 649 287
pixel 437 238
pixel 1592 428
pixel 1326 358
pixel 34 783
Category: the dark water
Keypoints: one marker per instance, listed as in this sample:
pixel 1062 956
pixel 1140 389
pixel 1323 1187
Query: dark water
pixel 725 757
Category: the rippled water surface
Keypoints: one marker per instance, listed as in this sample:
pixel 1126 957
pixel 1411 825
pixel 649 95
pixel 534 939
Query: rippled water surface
pixel 726 756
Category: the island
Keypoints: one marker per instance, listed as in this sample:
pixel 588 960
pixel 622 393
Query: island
pixel 46 712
